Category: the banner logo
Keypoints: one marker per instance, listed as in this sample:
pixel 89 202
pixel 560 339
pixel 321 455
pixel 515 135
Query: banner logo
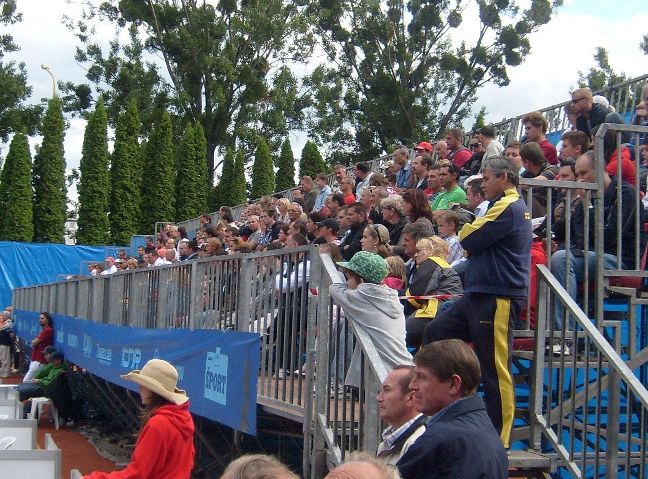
pixel 216 377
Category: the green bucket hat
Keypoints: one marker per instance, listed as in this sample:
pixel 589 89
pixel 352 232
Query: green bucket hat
pixel 369 266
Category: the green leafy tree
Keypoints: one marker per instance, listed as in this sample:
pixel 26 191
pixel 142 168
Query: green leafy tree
pixel 480 119
pixel 644 44
pixel 311 162
pixel 286 164
pixel 222 192
pixel 94 186
pixel 218 58
pixel 237 185
pixel 394 74
pixel 158 180
pixel 602 75
pixel 126 175
pixel 14 114
pixel 16 192
pixel 191 176
pixel 263 177
pixel 50 203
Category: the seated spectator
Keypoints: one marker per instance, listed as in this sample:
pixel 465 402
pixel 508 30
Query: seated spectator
pixel 153 258
pixel 186 251
pixel 282 206
pixel 268 220
pixel 377 193
pixel 423 148
pixel 416 206
pixel 448 225
pixel 535 130
pixel 612 154
pixel 393 216
pixel 347 188
pixel 327 231
pixel 343 221
pixel 308 191
pixel 536 167
pixel 284 233
pixel 340 173
pixel 568 276
pixel 441 150
pixel 255 232
pixel 374 308
pixel 238 245
pixel 111 268
pixel 362 172
pixel 311 225
pixel 257 466
pixel 360 465
pixel 433 182
pixel 357 218
pixel 458 154
pixel 641 111
pixel 397 275
pixel 332 250
pixel 574 144
pixel 459 440
pixel 513 154
pixel 590 114
pixel 36 387
pixel 298 227
pixel 321 181
pixel 333 203
pixel 375 239
pixel 397 409
pixel 433 276
pixel 230 234
pixel 204 220
pixel 453 193
pixel 214 247
pixel 170 255
pixel 473 165
pixel 488 141
pixel 420 167
pixel 475 196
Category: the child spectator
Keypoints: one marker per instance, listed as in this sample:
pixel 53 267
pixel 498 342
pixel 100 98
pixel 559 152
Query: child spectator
pixel 397 276
pixel 448 222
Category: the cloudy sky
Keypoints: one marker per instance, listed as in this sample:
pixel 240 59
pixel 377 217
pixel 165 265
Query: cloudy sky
pixel 559 51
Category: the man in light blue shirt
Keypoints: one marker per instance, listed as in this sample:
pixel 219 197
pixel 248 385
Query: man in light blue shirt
pixel 404 173
pixel 324 190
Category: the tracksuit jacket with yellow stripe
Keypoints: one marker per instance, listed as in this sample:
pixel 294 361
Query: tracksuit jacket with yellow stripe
pixel 498 246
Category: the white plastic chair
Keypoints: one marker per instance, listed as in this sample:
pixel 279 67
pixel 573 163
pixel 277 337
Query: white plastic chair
pixel 4 416
pixel 37 409
pixel 6 442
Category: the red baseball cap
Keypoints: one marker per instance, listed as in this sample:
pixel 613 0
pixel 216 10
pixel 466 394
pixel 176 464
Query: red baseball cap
pixel 424 145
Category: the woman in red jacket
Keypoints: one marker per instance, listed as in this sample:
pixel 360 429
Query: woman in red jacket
pixel 164 448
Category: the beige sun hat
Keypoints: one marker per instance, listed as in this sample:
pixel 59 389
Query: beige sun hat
pixel 161 378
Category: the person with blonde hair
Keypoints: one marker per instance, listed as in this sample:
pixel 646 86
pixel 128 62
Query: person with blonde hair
pixel 375 239
pixel 397 276
pixel 362 465
pixel 164 447
pixel 433 276
pixel 257 466
pixel 282 206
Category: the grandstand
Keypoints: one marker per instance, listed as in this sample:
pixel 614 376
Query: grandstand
pixel 578 414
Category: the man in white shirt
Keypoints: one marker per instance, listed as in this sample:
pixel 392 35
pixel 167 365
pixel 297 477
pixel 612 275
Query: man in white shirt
pixel 488 141
pixel 396 408
pixel 110 267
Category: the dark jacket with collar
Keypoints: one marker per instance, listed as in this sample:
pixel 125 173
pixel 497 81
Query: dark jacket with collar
pixel 352 240
pixel 461 443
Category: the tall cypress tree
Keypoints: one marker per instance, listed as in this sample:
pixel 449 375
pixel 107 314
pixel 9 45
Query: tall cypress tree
pixel 286 164
pixel 16 194
pixel 94 186
pixel 237 188
pixel 126 174
pixel 191 176
pixel 263 178
pixel 223 192
pixel 158 184
pixel 50 202
pixel 311 163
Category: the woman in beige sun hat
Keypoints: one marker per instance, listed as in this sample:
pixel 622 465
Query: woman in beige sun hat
pixel 164 448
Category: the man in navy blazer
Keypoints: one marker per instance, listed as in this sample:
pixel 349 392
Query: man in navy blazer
pixel 460 440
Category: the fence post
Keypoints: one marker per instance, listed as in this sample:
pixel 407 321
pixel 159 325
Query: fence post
pixel 537 375
pixel 244 294
pixel 194 296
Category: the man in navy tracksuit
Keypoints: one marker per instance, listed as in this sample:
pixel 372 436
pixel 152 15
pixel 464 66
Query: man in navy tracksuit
pixel 496 280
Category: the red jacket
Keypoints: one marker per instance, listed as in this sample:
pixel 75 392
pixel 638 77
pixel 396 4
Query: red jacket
pixel 164 448
pixel 45 338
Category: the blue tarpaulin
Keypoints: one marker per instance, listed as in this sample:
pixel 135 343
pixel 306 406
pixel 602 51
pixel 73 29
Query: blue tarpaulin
pixel 27 264
pixel 218 369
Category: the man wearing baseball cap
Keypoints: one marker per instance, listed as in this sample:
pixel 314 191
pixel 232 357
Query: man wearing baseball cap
pixel 374 308
pixel 328 230
pixel 423 148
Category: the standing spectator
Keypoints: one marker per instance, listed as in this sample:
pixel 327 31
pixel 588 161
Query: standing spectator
pixel 448 223
pixel 324 190
pixel 306 187
pixel 458 153
pixel 495 283
pixel 535 129
pixel 45 338
pixel 340 173
pixel 363 174
pixel 357 219
pixel 165 444
pixel 453 193
pixel 590 114
pixel 374 308
pixel 488 141
pixel 459 440
pixel 401 160
pixel 396 408
pixel 6 341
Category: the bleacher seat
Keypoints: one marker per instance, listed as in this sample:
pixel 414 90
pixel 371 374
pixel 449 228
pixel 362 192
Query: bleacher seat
pixel 37 405
pixel 23 430
pixel 34 463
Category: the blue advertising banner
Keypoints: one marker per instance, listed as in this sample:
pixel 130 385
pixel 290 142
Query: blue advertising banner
pixel 218 369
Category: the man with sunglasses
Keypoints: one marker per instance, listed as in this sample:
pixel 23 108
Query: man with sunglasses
pixel 589 114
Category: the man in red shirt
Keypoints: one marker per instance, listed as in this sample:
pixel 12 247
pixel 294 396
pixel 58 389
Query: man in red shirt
pixel 44 339
pixel 535 129
pixel 458 154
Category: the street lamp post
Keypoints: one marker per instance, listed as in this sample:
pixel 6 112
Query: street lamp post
pixel 47 69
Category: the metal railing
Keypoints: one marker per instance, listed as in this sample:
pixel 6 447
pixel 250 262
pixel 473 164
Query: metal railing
pixel 587 404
